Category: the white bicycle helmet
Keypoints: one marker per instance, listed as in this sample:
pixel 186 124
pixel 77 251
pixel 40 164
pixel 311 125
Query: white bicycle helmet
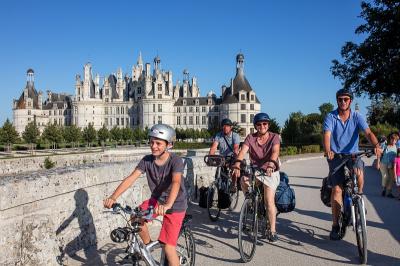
pixel 164 132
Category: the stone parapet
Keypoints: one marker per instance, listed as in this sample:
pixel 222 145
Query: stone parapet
pixel 48 215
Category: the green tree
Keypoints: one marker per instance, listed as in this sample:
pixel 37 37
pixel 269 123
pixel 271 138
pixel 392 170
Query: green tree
pixel 311 129
pixel 53 134
pixel 291 132
pixel 89 134
pixel 31 134
pixel 8 134
pixel 373 66
pixel 325 109
pixel 274 126
pixel 383 130
pixel 116 134
pixel 127 134
pixel 103 135
pixel 72 134
pixel 383 111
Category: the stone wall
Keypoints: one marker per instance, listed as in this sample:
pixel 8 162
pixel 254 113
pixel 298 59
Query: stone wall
pixel 49 214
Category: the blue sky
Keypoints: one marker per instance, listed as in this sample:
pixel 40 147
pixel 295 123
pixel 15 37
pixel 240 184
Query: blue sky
pixel 288 45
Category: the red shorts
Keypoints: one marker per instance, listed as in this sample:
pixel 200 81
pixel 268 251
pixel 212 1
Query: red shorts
pixel 171 225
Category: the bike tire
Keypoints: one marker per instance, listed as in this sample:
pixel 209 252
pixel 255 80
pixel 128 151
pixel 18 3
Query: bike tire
pixel 212 203
pixel 248 229
pixel 263 223
pixel 342 225
pixel 186 248
pixel 235 199
pixel 361 230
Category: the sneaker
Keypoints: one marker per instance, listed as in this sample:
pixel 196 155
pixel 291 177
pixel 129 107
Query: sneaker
pixel 390 195
pixel 273 237
pixel 335 234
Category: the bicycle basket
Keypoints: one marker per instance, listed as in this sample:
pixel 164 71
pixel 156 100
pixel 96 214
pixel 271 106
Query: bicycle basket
pixel 214 160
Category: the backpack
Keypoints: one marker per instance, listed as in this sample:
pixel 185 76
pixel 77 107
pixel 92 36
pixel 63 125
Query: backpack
pixel 203 191
pixel 285 198
pixel 326 191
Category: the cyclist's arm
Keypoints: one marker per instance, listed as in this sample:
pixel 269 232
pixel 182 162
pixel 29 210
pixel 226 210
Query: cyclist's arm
pixel 213 148
pixel 125 184
pixel 236 166
pixel 374 141
pixel 327 144
pixel 236 149
pixel 175 186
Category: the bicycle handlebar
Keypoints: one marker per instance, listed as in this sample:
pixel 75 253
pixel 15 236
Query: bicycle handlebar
pixel 137 212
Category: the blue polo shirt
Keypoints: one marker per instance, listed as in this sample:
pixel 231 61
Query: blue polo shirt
pixel 232 139
pixel 344 135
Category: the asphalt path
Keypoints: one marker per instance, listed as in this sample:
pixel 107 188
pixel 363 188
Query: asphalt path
pixel 303 233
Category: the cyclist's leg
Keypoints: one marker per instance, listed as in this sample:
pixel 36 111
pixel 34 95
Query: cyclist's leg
pixel 144 232
pixel 269 201
pixel 169 234
pixel 359 170
pixel 336 203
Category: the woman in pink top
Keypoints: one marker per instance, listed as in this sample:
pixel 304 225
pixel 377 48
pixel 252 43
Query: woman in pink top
pixel 396 169
pixel 263 147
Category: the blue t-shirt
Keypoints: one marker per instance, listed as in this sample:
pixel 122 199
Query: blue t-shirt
pixel 344 135
pixel 232 139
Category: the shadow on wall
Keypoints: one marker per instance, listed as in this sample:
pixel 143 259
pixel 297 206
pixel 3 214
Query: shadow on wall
pixel 86 240
pixel 189 177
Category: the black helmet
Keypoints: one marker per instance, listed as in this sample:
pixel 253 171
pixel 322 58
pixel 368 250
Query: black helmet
pixel 344 92
pixel 226 121
pixel 260 117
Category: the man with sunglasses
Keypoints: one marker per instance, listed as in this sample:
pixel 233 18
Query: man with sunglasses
pixel 341 135
pixel 227 143
pixel 263 147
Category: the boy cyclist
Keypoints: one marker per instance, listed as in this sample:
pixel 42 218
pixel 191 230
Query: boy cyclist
pixel 164 176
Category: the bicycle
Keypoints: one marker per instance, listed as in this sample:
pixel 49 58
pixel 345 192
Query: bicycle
pixel 222 181
pixel 137 251
pixel 253 215
pixel 352 211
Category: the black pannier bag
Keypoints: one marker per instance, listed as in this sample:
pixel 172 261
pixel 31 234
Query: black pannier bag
pixel 326 190
pixel 203 191
pixel 224 197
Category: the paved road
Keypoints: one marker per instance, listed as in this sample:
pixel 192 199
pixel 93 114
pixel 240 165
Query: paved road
pixel 303 233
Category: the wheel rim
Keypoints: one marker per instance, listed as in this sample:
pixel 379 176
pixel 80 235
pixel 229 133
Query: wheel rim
pixel 361 231
pixel 248 230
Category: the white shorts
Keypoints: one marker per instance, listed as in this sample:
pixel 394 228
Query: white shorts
pixel 270 181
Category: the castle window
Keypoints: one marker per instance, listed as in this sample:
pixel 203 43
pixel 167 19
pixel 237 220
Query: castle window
pixel 184 120
pixel 197 109
pixel 159 96
pixel 203 120
pixel 178 120
pixel 197 120
pixel 242 97
pixel 127 121
pixel 160 107
pixel 160 119
pixel 203 109
pixel 251 117
pixel 184 103
pixel 122 110
pixel 154 108
pixel 139 90
pixel 106 121
pixel 178 109
pixel 251 106
pixel 106 110
pixel 184 109
pixel 29 112
pixel 190 120
pixel 117 121
pixel 55 112
pixel 197 102
pixel 252 97
pixel 122 121
pixel 243 106
pixel 159 87
pixel 191 109
pixel 243 118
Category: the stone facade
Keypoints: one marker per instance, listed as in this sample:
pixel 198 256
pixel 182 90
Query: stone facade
pixel 141 100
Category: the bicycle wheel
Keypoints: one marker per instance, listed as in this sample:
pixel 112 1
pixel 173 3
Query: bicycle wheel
pixel 212 202
pixel 342 225
pixel 234 200
pixel 263 224
pixel 186 247
pixel 361 230
pixel 248 229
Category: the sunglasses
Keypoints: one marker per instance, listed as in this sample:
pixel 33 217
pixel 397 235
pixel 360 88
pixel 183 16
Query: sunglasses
pixel 343 99
pixel 261 124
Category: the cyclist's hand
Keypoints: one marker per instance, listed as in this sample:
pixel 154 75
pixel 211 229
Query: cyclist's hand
pixel 269 171
pixel 378 152
pixel 108 202
pixel 236 172
pixel 330 155
pixel 162 209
